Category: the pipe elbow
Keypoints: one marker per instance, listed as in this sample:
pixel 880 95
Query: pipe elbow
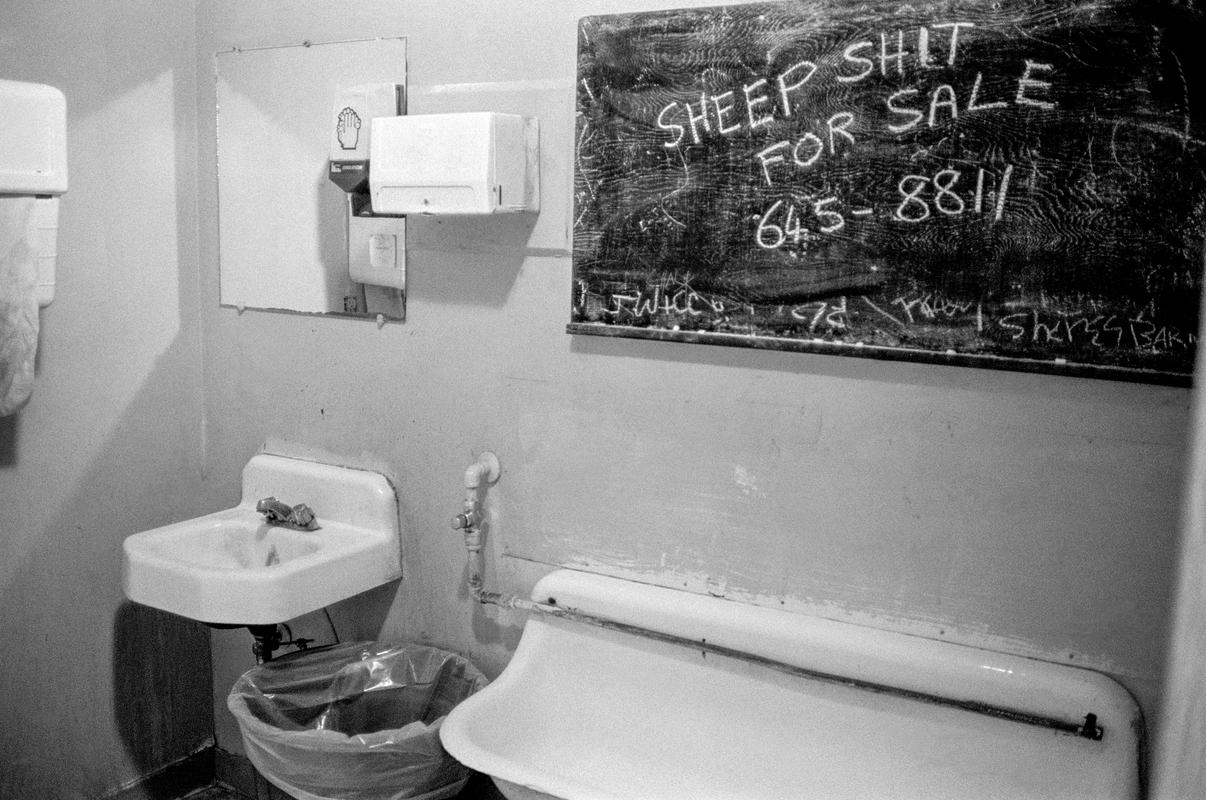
pixel 484 470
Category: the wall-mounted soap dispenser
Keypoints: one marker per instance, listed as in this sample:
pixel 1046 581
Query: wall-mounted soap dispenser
pixel 354 109
pixel 376 242
pixel 33 163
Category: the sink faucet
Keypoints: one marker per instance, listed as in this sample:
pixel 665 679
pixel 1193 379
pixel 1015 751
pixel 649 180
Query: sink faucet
pixel 277 513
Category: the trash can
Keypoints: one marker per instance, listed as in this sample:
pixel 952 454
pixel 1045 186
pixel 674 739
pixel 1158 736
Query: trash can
pixel 357 721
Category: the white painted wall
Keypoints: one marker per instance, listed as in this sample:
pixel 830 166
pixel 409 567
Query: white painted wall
pixel 1027 513
pixel 1034 514
pixel 95 692
pixel 1177 767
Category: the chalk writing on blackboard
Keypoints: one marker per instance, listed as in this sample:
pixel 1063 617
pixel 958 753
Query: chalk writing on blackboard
pixel 1017 183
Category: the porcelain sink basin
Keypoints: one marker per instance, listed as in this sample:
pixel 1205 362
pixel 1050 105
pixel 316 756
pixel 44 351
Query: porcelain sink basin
pixel 234 568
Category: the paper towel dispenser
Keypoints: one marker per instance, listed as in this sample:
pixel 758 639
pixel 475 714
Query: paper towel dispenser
pixel 457 164
pixel 33 161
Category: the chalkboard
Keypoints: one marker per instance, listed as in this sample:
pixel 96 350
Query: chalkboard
pixel 1017 185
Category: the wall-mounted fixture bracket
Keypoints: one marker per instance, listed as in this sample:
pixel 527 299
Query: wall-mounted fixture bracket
pixel 376 243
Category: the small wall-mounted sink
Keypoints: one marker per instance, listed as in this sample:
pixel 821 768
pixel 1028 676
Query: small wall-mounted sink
pixel 233 568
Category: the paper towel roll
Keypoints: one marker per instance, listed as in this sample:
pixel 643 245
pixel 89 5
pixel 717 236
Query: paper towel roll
pixel 18 302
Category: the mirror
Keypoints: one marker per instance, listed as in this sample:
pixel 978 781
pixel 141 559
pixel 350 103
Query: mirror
pixel 282 224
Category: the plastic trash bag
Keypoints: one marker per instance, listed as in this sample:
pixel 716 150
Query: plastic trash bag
pixel 357 721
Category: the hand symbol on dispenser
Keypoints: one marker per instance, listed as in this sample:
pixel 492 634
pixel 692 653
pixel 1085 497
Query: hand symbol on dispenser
pixel 347 128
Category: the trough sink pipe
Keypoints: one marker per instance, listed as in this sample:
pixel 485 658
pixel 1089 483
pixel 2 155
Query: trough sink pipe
pixel 478 476
pixel 470 523
pixel 1088 728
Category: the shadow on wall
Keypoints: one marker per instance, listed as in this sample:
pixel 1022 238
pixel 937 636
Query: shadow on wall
pixel 360 617
pixel 478 258
pixel 9 429
pixel 157 660
pixel 89 685
pixel 98 692
pixel 36 778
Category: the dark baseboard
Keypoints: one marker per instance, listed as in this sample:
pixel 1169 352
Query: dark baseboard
pixel 173 781
pixel 237 772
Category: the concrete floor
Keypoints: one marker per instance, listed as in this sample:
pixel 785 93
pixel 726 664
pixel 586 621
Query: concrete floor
pixel 479 788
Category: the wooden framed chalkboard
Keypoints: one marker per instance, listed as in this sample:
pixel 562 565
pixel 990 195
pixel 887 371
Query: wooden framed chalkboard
pixel 1010 184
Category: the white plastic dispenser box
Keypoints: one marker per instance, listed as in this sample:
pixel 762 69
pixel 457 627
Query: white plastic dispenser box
pixel 456 164
pixel 33 164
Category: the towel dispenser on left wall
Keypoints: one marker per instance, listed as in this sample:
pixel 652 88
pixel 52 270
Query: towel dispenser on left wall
pixel 33 162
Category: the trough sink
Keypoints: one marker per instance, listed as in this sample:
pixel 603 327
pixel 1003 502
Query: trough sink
pixel 234 568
